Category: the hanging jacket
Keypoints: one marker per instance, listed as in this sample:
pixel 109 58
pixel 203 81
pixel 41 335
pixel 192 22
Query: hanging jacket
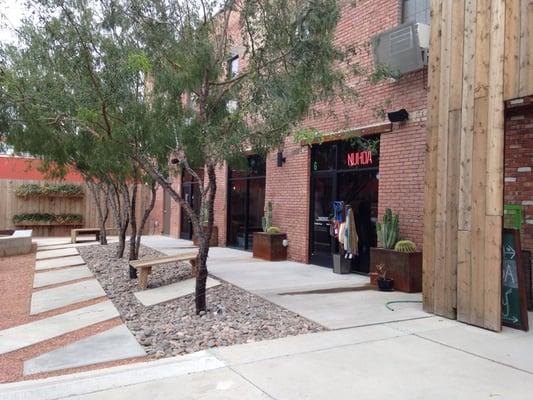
pixel 351 240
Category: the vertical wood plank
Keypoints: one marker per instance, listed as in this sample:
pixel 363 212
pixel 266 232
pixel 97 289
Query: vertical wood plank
pixel 467 115
pixel 526 21
pixel 479 161
pixel 512 49
pixel 442 276
pixel 492 284
pixel 495 133
pixel 431 159
pixel 481 87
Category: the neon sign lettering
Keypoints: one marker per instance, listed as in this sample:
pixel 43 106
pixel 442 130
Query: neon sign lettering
pixel 359 158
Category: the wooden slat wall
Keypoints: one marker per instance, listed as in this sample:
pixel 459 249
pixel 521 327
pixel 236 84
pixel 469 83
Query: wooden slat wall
pixel 480 55
pixel 10 205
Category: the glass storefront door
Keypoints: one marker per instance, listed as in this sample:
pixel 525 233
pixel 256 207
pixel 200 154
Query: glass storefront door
pixel 322 189
pixel 344 171
pixel 246 201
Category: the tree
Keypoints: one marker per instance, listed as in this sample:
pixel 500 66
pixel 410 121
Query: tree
pixel 151 80
pixel 63 85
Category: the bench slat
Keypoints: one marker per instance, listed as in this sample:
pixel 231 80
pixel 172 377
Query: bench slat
pixel 149 262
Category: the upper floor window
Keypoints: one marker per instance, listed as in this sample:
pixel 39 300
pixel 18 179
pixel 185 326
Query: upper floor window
pixel 234 66
pixel 417 11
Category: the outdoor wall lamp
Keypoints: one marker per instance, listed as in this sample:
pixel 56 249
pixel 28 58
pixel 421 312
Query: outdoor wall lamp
pixel 281 159
pixel 398 116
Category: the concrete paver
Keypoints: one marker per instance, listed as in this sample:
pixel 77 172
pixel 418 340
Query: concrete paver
pixel 53 277
pixel 46 254
pixel 34 332
pixel 115 344
pixel 122 376
pixel 173 291
pixel 59 262
pixel 407 367
pixel 61 296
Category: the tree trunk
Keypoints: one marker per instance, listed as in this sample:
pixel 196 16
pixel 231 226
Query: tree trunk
pixel 96 189
pixel 133 224
pixel 205 233
pixel 146 215
pixel 119 201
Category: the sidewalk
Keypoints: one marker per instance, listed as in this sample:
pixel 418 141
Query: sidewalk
pixel 285 283
pixel 429 358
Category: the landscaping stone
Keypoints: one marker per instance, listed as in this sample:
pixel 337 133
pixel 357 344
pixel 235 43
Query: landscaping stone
pixel 34 332
pixel 61 296
pixel 171 292
pixel 54 277
pixel 46 254
pixel 59 262
pixel 115 344
pixel 173 328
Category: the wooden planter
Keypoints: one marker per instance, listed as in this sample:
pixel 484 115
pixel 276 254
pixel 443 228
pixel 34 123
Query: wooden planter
pixel 270 246
pixel 214 238
pixel 404 268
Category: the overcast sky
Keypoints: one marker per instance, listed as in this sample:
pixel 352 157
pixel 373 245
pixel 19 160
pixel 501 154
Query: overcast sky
pixel 11 12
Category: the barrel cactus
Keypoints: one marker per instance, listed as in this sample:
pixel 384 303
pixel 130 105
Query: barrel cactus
pixel 389 229
pixel 273 230
pixel 267 218
pixel 405 246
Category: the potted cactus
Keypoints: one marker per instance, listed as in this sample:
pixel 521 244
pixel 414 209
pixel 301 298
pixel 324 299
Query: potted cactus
pixel 403 261
pixel 269 244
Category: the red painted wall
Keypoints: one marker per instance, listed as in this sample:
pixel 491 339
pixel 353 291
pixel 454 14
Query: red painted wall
pixel 27 169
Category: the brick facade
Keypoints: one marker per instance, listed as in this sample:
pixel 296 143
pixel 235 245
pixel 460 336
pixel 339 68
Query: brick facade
pixel 401 151
pixel 518 171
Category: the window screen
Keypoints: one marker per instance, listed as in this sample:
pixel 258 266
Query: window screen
pixel 417 11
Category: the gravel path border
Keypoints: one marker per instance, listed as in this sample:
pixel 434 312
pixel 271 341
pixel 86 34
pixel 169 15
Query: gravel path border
pixel 234 315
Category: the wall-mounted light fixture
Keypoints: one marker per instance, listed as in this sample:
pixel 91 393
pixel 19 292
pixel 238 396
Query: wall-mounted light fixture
pixel 281 159
pixel 398 116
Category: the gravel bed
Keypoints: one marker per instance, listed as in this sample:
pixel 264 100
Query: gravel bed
pixel 234 315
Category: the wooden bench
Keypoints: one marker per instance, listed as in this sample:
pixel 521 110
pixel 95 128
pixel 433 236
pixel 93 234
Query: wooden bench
pixel 145 266
pixel 85 231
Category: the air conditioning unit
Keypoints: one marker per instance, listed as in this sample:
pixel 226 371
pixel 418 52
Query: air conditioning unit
pixel 402 49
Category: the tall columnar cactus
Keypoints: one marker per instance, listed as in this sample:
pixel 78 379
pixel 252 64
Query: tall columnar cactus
pixel 267 218
pixel 389 230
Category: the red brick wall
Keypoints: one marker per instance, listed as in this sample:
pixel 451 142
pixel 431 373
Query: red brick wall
pixel 402 151
pixel 288 188
pixel 518 171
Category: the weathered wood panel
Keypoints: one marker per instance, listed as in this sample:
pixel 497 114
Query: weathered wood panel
pixel 478 59
pixel 10 205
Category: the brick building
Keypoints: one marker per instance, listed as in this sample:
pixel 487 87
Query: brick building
pixel 309 178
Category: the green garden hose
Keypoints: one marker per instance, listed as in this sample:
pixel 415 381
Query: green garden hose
pixel 400 301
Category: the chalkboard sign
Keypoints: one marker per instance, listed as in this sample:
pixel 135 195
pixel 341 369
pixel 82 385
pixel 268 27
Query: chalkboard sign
pixel 514 303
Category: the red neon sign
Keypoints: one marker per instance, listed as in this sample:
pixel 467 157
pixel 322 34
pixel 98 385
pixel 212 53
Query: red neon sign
pixel 359 158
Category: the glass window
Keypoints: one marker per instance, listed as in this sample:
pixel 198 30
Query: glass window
pixel 243 167
pixel 324 157
pixel 234 66
pixel 416 11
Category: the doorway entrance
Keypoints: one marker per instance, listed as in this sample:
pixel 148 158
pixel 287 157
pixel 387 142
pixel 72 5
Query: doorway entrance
pixel 246 200
pixel 345 171
pixel 190 189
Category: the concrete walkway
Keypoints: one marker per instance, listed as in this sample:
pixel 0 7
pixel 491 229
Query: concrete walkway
pixel 398 361
pixel 302 288
pixel 111 345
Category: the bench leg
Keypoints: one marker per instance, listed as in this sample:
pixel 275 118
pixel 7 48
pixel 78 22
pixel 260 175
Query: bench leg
pixel 73 237
pixel 98 236
pixel 194 268
pixel 143 277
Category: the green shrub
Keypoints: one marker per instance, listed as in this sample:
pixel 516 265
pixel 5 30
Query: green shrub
pixel 405 246
pixel 273 230
pixel 48 217
pixel 53 189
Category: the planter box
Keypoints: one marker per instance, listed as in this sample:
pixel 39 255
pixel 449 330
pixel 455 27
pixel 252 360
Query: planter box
pixel 44 223
pixel 404 268
pixel 270 247
pixel 214 238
